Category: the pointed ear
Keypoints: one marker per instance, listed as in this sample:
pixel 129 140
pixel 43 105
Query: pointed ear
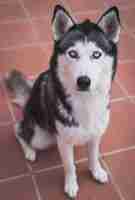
pixel 109 22
pixel 61 22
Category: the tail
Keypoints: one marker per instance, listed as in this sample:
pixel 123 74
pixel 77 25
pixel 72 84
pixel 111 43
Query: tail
pixel 18 85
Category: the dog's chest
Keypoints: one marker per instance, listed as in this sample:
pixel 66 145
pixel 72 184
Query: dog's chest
pixel 92 116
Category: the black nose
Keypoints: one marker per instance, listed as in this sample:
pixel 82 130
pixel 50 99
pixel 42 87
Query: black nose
pixel 83 83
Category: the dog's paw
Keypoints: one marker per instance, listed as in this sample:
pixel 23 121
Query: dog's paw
pixel 30 155
pixel 71 187
pixel 100 175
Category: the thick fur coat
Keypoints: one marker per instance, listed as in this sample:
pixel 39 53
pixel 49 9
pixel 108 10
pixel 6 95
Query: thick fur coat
pixel 69 103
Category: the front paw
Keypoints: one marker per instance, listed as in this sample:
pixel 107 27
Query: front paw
pixel 71 187
pixel 99 174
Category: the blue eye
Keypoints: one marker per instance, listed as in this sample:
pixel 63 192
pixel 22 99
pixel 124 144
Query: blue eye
pixel 73 54
pixel 96 54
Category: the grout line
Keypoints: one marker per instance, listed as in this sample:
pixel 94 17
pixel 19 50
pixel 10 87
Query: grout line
pixel 63 2
pixel 13 21
pixel 34 181
pixel 5 124
pixel 119 99
pixel 126 29
pixel 124 90
pixel 28 16
pixel 24 20
pixel 107 154
pixel 126 61
pixel 48 169
pixel 29 166
pixel 13 178
pixel 122 87
pixel 116 186
pixel 36 187
pixel 121 7
pixel 85 12
pixel 35 30
pixel 8 2
pixel 25 9
pixel 90 12
pixel 58 166
pixel 38 195
pixel 114 152
pixel 32 44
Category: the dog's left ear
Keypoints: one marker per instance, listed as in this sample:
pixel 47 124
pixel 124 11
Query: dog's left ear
pixel 61 22
pixel 109 22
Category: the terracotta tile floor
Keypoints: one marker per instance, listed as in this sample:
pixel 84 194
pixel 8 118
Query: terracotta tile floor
pixel 26 44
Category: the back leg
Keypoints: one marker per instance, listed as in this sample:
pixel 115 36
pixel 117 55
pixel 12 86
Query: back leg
pixel 29 152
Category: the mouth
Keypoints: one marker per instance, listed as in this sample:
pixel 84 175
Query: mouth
pixel 83 90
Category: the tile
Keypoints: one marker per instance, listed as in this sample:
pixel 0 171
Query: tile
pixel 86 5
pixel 8 1
pixel 121 3
pixel 88 15
pixel 12 158
pixel 122 166
pixel 30 60
pixel 126 47
pixel 46 159
pixel 89 189
pixel 120 133
pixel 80 153
pixel 116 91
pixel 18 188
pixel 11 11
pixel 127 18
pixel 40 8
pixel 48 49
pixel 126 76
pixel 5 115
pixel 50 158
pixel 16 34
pixel 43 27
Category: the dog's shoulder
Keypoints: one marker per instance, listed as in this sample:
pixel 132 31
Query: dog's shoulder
pixel 43 77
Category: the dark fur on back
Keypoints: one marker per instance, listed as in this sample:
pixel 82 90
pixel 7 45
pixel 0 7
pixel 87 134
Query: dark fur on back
pixel 42 108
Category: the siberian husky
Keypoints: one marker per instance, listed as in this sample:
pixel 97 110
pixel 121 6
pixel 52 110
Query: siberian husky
pixel 69 103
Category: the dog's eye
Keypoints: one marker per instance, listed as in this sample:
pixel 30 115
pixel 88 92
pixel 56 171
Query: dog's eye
pixel 73 54
pixel 96 54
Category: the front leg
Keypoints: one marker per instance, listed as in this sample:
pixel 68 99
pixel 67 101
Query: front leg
pixel 93 160
pixel 67 157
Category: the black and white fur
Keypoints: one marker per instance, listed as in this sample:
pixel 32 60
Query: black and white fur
pixel 63 110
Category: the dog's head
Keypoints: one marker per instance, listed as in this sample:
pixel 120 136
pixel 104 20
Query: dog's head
pixel 85 53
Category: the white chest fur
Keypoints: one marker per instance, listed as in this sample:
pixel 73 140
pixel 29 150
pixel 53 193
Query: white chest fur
pixel 92 115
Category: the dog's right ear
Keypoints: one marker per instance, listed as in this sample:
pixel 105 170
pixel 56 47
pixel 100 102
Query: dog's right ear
pixel 61 22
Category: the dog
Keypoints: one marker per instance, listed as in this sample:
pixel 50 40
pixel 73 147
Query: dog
pixel 69 103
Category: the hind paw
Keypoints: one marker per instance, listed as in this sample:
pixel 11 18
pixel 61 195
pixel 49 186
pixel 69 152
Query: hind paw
pixel 30 155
